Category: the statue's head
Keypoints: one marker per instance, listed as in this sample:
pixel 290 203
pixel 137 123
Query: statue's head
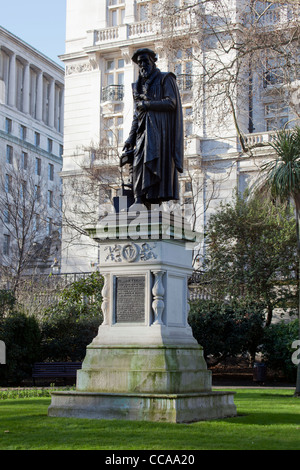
pixel 145 59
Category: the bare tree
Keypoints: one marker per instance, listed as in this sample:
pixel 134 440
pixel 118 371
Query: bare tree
pixel 27 227
pixel 240 52
pixel 89 190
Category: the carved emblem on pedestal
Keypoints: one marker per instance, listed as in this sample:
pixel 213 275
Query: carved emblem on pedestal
pixel 130 252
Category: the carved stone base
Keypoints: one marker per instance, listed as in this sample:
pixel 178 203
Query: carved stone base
pixel 144 363
pixel 144 370
pixel 172 408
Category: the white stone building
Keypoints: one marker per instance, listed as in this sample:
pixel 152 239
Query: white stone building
pixel 31 148
pixel 220 123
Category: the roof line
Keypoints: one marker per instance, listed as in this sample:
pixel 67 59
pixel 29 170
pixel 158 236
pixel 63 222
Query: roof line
pixel 31 47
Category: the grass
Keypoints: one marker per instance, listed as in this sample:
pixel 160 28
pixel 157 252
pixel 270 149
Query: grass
pixel 268 419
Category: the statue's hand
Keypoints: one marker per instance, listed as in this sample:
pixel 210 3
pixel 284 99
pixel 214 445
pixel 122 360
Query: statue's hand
pixel 142 105
pixel 179 169
pixel 127 155
pixel 128 146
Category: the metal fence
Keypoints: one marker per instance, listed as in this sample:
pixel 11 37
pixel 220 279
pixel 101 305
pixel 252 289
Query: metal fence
pixel 38 292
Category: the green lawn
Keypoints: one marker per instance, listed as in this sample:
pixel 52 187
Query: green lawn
pixel 267 419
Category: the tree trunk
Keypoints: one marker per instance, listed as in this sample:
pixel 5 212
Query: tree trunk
pixel 269 314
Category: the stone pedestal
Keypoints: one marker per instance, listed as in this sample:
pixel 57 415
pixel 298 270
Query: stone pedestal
pixel 145 363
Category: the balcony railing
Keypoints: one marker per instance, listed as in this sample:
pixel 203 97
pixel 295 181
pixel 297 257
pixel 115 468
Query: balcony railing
pixel 259 139
pixel 107 34
pixel 137 29
pixel 113 93
pixel 279 16
pixel 185 82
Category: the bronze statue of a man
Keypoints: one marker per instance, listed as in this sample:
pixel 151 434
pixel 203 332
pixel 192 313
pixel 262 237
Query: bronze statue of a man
pixel 155 142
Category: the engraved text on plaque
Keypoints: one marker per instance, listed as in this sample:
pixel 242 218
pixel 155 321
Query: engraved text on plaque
pixel 130 299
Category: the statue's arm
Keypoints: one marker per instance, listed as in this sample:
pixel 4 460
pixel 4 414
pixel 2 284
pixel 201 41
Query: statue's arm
pixel 166 104
pixel 169 100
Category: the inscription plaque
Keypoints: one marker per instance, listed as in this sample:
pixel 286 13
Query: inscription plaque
pixel 130 299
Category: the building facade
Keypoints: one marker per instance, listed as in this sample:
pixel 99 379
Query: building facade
pixel 31 148
pixel 230 77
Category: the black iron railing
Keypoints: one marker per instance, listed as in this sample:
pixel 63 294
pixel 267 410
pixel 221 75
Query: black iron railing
pixel 113 93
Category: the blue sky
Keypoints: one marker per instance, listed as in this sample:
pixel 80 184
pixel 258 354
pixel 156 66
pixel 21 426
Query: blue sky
pixel 40 23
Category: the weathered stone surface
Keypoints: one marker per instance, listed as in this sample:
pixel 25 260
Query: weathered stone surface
pixel 144 370
pixel 174 408
pixel 145 364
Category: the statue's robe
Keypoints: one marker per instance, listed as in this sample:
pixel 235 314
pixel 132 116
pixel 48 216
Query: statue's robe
pixel 157 133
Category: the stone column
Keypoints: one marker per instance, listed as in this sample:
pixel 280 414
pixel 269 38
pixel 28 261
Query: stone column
pixel 39 96
pixel 158 292
pixel 105 295
pixel 130 12
pixel 61 111
pixel 26 88
pixel 12 81
pixel 51 108
pixel 56 108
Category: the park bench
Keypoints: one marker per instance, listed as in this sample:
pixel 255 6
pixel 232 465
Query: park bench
pixel 55 370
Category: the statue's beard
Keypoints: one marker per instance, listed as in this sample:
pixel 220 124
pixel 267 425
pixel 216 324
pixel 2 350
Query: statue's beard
pixel 145 72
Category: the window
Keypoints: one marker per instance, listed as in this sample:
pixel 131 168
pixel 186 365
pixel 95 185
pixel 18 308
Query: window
pixel 183 69
pixel 37 221
pixel 23 132
pixel 188 121
pixel 6 215
pixel 188 186
pixel 46 100
pixel 50 172
pixel 24 160
pixel 5 60
pixel 49 226
pixel 274 74
pixel 114 80
pixel 145 9
pixel 9 154
pixel 38 166
pixel 143 12
pixel 61 150
pixel 114 72
pixel 50 199
pixel 105 194
pixel 8 125
pixel 243 182
pixel 37 192
pixel 19 84
pixel 6 245
pixel 33 92
pixel 116 12
pixel 8 183
pixel 58 108
pixel 37 139
pixel 188 126
pixel 23 189
pixel 113 128
pixel 276 115
pixel 276 123
pixel 50 145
